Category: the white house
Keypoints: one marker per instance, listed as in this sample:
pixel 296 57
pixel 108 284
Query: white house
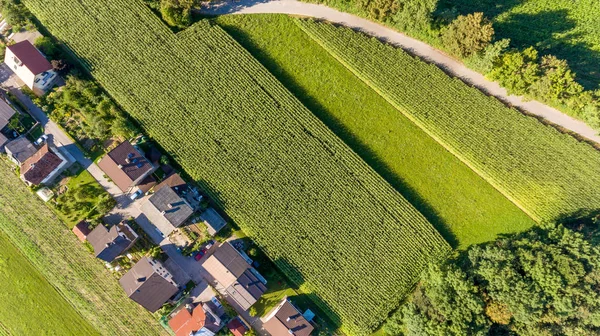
pixel 30 66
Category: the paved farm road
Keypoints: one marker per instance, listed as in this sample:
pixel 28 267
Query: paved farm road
pixel 418 48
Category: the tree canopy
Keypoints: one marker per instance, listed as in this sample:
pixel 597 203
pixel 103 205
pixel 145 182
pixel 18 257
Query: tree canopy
pixel 542 282
pixel 468 34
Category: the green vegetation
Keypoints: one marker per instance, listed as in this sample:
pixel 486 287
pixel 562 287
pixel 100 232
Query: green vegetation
pixel 66 264
pixel 15 13
pixel 567 29
pixel 542 282
pixel 87 113
pixel 25 291
pixel 309 201
pixel 450 195
pixel 82 198
pixel 546 173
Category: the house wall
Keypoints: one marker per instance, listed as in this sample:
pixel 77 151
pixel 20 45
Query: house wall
pixel 22 72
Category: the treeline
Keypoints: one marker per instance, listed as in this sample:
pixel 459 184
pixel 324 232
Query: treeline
pixel 471 38
pixel 542 282
pixel 176 13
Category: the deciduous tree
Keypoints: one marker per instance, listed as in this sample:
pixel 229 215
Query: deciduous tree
pixel 468 34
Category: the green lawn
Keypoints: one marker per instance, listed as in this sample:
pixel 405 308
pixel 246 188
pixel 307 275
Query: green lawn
pixel 83 193
pixel 462 206
pixel 53 251
pixel 568 29
pixel 30 305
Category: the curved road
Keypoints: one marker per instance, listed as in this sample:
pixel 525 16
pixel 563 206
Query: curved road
pixel 415 47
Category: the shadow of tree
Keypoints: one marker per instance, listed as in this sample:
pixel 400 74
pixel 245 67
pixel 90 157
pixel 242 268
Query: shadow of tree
pixel 551 32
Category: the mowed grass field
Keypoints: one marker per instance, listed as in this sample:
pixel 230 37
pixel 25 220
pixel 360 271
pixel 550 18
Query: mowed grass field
pixel 463 207
pixel 565 28
pixel 29 304
pixel 53 253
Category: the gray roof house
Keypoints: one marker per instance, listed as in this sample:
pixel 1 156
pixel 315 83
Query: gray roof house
pixel 149 284
pixel 6 112
pixel 20 149
pixel 166 210
pixel 231 270
pixel 213 221
pixel 110 243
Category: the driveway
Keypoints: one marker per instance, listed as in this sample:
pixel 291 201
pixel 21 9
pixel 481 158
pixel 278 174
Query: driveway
pixel 413 46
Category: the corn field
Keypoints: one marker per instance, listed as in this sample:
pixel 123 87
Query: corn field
pixel 335 227
pixel 546 173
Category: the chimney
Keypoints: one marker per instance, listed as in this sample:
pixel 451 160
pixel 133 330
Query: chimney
pixel 163 212
pixel 170 205
pixel 290 331
pixel 288 319
pixel 120 166
pixel 32 165
pixel 127 160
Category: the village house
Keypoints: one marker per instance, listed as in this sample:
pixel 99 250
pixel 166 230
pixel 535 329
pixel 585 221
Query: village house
pixel 126 166
pixel 43 166
pixel 110 243
pixel 30 66
pixel 233 273
pixel 237 327
pixel 286 319
pixel 19 150
pixel 82 230
pixel 6 112
pixel 149 284
pixel 213 221
pixel 166 210
pixel 199 320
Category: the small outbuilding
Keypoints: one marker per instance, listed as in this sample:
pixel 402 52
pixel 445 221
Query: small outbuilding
pixel 213 221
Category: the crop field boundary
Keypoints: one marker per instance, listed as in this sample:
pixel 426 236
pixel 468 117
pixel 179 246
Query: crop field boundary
pixel 417 122
pixel 66 264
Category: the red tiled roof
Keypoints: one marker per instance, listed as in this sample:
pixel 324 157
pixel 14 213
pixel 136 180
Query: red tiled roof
pixel 81 230
pixel 236 327
pixel 30 56
pixel 40 165
pixel 184 323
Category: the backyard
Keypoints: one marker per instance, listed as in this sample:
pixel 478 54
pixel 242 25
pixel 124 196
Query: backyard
pixel 80 197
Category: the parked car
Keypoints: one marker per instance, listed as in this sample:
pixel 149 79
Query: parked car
pixel 135 195
pixel 41 140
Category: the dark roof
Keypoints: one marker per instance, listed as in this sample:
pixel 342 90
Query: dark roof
pixel 149 284
pixel 21 149
pixel 154 154
pixel 174 181
pixel 127 165
pixel 213 220
pixel 82 230
pixel 236 327
pixel 3 141
pixel 247 289
pixel 30 57
pixel 231 259
pixel 6 112
pixel 109 244
pixel 36 168
pixel 176 210
pixel 288 318
pixel 147 183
